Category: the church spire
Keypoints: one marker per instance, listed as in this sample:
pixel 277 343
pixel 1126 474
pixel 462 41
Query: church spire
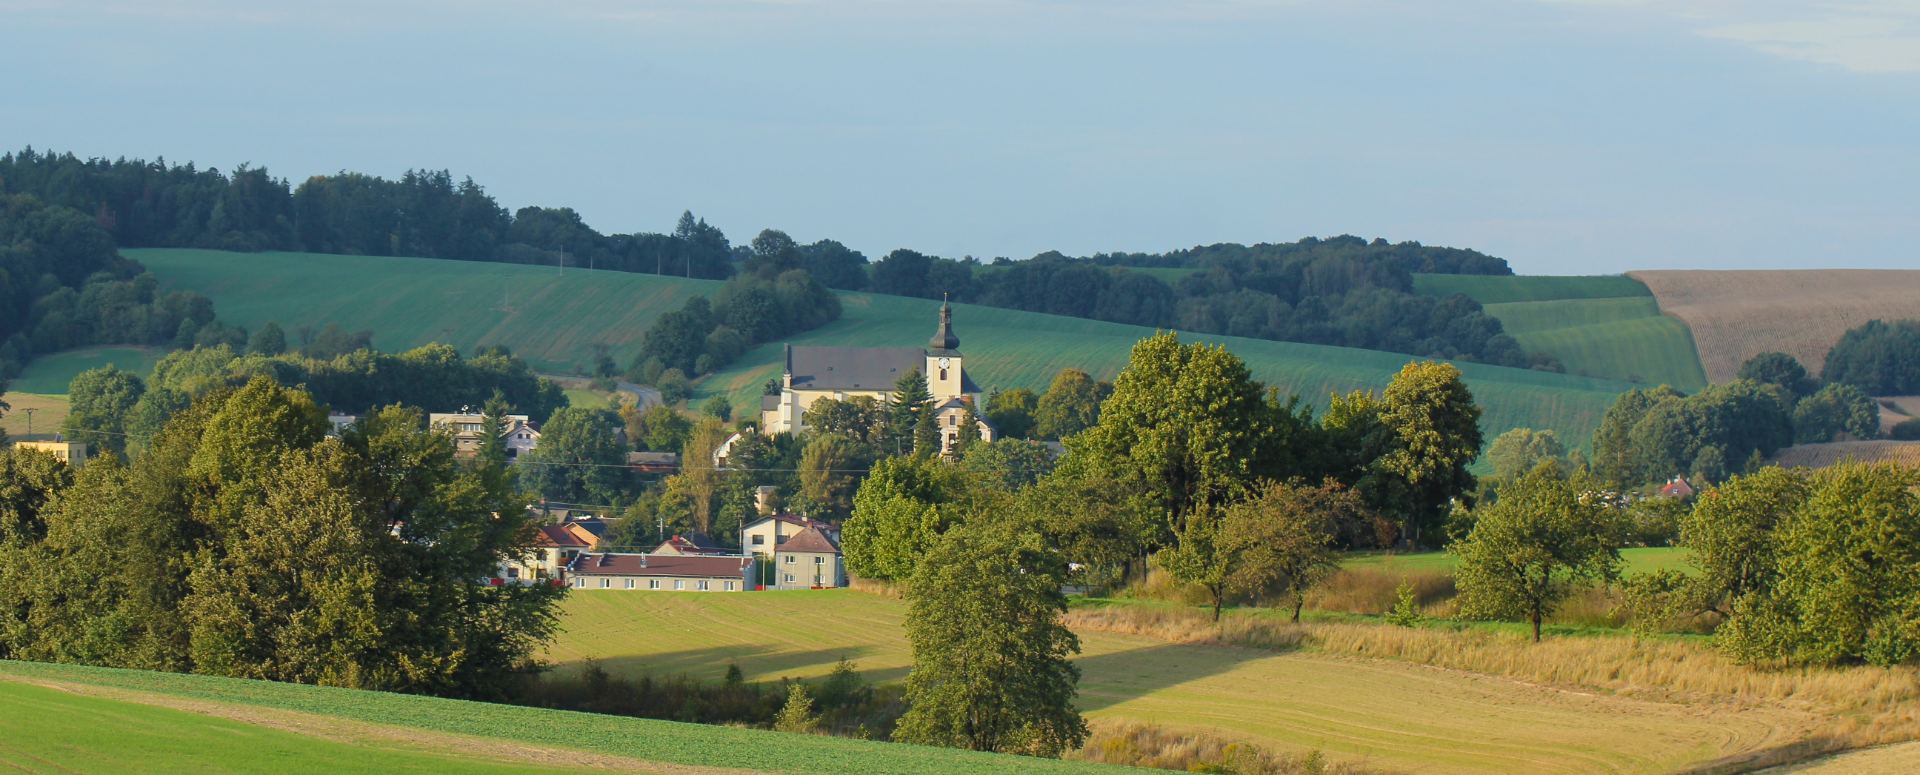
pixel 945 341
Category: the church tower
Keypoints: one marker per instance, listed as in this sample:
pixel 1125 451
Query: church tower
pixel 944 378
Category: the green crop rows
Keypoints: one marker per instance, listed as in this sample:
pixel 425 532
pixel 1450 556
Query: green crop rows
pixel 1504 290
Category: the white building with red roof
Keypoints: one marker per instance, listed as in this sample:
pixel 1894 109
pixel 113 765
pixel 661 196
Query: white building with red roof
pixel 609 571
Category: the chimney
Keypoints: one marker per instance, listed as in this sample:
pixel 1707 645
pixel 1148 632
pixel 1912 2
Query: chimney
pixel 643 561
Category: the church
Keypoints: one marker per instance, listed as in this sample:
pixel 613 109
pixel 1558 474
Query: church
pixel 840 373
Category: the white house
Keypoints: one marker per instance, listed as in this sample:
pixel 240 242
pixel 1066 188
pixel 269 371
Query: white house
pixel 522 434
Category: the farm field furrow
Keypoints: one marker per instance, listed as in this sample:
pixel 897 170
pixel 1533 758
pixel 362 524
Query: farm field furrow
pixel 1906 453
pixel 1619 338
pixel 1488 289
pixel 555 321
pixel 1397 715
pixel 1737 314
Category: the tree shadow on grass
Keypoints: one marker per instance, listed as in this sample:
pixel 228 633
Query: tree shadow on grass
pixel 1113 678
pixel 758 662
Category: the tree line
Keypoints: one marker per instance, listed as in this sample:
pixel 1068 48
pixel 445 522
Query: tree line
pixel 247 542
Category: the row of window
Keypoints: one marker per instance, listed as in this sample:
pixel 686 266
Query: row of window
pixel 700 585
pixel 816 560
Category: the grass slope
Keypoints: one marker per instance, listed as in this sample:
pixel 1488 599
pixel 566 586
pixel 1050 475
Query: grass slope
pixel 1395 715
pixel 1488 289
pixel 1620 338
pixel 645 739
pixel 555 321
pixel 53 731
pixel 49 374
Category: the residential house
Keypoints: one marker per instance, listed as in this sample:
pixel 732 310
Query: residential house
pixel 555 547
pixel 725 450
pixel 808 560
pixel 763 535
pixel 522 434
pixel 69 452
pixel 1678 488
pixel 692 544
pixel 338 422
pixel 660 572
pixel 840 373
pixel 654 462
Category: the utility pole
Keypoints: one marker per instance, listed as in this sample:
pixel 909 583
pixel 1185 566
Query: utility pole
pixel 29 422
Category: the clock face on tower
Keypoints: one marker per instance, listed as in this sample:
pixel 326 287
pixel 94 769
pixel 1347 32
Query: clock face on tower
pixel 944 363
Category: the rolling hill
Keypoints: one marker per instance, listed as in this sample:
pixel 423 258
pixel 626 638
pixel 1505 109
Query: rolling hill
pixel 555 321
pixel 1604 326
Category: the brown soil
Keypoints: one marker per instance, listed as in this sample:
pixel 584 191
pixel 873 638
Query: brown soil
pixel 1738 314
pixel 362 733
pixel 1823 455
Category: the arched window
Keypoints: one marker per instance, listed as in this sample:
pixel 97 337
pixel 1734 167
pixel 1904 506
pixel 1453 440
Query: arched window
pixel 943 375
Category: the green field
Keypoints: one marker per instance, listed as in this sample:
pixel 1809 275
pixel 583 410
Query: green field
pixel 170 742
pixel 587 399
pixel 1394 715
pixel 53 731
pixel 1488 289
pixel 1603 326
pixel 555 321
pixel 50 373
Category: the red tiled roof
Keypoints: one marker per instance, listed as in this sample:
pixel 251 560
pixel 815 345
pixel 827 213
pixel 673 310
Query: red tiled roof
pixel 563 536
pixel 810 540
pixel 659 565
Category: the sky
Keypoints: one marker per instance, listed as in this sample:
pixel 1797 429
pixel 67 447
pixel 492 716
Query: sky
pixel 1569 137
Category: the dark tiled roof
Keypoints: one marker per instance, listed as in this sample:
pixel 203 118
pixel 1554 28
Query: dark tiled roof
pixel 659 565
pixel 851 368
pixel 810 540
pixel 769 403
pixel 653 458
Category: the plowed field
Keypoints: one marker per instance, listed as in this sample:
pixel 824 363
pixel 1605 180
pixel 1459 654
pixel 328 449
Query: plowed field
pixel 1737 314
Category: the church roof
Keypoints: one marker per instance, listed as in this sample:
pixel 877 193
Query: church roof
pixel 944 342
pixel 851 368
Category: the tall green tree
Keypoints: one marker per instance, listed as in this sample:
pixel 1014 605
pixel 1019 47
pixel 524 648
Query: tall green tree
pixel 991 658
pixel 1778 368
pixel 1546 536
pixel 898 515
pixel 829 474
pixel 578 460
pixel 1282 538
pixel 908 403
pixel 101 400
pixel 1012 412
pixel 1434 428
pixel 1070 405
pixel 1729 539
pixel 1833 410
pixel 268 341
pixel 1521 450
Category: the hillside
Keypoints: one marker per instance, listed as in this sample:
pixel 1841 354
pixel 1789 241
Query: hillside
pixel 1436 721
pixel 1604 326
pixel 555 321
pixel 1737 314
pixel 1906 453
pixel 346 730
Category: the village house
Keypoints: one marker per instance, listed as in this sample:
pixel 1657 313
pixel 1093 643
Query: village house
pixel 660 572
pixel 1678 488
pixel 554 548
pixel 690 544
pixel 764 534
pixel 69 452
pixel 654 462
pixel 522 434
pixel 808 560
pixel 840 373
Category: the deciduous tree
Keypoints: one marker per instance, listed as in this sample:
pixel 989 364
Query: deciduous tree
pixel 1546 536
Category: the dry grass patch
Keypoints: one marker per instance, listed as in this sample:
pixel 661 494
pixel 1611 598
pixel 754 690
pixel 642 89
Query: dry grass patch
pixel 1738 314
pixel 1857 706
pixel 1906 453
pixel 1136 744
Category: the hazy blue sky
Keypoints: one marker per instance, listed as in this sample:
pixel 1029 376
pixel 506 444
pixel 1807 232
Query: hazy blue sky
pixel 1567 137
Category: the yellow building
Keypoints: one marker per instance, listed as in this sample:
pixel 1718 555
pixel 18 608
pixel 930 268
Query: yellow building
pixel 69 452
pixel 840 373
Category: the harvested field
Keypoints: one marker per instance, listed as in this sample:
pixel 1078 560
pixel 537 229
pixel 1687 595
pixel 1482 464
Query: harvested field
pixel 1904 757
pixel 1897 409
pixel 1822 455
pixel 1737 314
pixel 48 412
pixel 1404 712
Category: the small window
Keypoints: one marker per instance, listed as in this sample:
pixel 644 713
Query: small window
pixel 729 586
pixel 606 583
pixel 789 578
pixel 653 583
pixel 513 573
pixel 581 583
pixel 629 583
pixel 679 584
pixel 818 560
pixel 953 420
pixel 701 585
pixel 779 539
pixel 759 540
pixel 943 375
pixel 789 559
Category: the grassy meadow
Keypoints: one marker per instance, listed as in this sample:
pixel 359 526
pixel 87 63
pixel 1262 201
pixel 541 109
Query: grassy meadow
pixel 49 374
pixel 157 741
pixel 1638 560
pixel 1392 714
pixel 554 321
pixel 44 422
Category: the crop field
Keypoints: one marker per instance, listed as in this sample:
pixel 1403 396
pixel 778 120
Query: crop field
pixel 1906 453
pixel 561 740
pixel 1737 314
pixel 49 374
pixel 1623 338
pixel 48 411
pixel 48 730
pixel 1488 289
pixel 555 321
pixel 1391 714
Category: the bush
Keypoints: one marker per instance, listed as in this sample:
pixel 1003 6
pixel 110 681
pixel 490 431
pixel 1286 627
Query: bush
pixel 674 386
pixel 1907 430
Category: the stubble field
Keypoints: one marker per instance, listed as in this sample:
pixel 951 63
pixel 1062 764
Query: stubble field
pixel 1738 314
